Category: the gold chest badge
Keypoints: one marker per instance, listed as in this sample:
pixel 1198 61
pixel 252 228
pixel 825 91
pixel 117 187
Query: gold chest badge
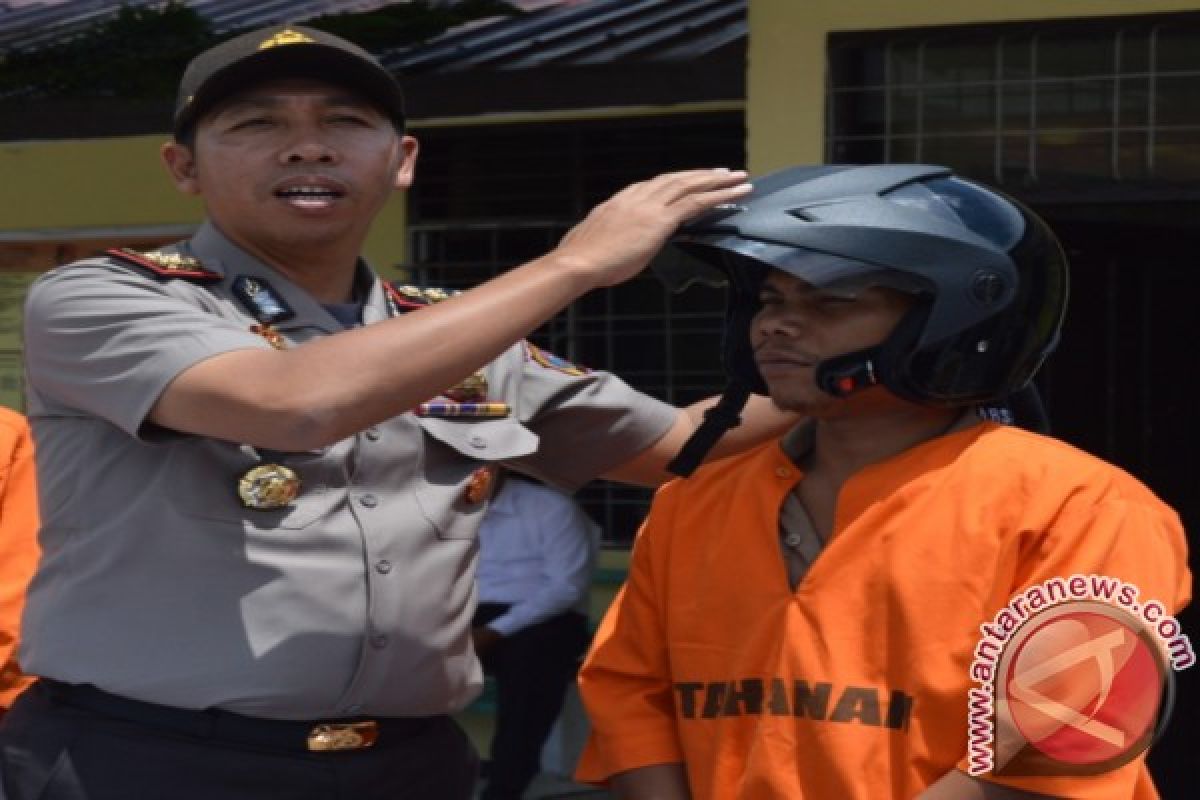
pixel 268 486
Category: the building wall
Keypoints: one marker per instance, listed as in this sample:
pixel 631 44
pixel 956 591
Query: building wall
pixel 785 116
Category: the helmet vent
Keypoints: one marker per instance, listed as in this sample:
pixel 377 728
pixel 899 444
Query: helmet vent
pixel 987 288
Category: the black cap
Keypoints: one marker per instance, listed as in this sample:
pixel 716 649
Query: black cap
pixel 288 51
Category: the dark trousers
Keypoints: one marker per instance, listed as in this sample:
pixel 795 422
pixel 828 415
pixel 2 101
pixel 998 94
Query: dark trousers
pixel 52 748
pixel 532 669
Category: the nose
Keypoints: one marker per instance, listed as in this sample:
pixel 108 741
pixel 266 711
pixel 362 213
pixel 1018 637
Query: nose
pixel 773 321
pixel 309 149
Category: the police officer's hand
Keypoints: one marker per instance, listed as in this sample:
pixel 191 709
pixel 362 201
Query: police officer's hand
pixel 620 236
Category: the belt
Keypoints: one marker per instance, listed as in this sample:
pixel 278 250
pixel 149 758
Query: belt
pixel 331 735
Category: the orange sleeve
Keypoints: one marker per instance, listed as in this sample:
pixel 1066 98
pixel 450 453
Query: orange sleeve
pixel 18 544
pixel 625 681
pixel 1138 541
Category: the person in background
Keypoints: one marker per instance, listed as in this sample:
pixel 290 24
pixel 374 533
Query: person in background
pixel 18 545
pixel 537 555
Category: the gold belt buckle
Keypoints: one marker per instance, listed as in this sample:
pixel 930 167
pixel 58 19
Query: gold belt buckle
pixel 333 736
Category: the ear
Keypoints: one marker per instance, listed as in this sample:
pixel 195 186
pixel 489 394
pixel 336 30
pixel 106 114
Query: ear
pixel 407 169
pixel 180 162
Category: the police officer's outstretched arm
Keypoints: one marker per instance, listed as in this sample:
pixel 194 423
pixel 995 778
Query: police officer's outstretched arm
pixel 315 394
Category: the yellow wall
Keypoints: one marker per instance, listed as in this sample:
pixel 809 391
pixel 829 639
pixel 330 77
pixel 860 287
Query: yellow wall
pixel 88 184
pixel 785 85
pixel 118 183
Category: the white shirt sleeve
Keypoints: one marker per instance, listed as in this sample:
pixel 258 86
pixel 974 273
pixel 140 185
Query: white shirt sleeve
pixel 547 546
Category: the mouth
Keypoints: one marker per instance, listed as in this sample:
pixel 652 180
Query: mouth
pixel 774 362
pixel 310 195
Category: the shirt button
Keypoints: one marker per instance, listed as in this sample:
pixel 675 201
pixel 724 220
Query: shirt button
pixel 383 567
pixel 477 442
pixel 372 434
pixel 783 472
pixel 369 500
pixel 379 641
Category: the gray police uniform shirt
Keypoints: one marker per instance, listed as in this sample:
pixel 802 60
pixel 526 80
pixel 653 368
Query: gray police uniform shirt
pixel 157 584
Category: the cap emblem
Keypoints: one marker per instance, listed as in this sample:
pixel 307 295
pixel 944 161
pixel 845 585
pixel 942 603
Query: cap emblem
pixel 286 36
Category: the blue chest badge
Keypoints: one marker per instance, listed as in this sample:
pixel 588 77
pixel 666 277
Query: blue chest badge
pixel 261 300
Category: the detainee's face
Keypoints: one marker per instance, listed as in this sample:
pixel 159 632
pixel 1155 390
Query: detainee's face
pixel 799 326
pixel 293 164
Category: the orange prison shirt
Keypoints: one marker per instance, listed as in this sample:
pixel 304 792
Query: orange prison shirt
pixel 855 685
pixel 18 544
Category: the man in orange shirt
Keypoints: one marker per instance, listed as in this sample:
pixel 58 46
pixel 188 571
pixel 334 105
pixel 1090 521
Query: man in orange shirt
pixel 802 620
pixel 18 544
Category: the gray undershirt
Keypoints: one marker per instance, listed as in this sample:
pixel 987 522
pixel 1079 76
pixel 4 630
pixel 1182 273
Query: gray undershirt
pixel 798 538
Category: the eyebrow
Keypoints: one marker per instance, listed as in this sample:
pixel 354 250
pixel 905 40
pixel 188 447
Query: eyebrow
pixel 266 102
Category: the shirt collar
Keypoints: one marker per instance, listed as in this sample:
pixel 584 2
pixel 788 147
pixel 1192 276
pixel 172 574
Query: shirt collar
pixel 216 252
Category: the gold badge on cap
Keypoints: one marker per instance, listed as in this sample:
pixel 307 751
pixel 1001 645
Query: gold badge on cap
pixel 285 36
pixel 268 486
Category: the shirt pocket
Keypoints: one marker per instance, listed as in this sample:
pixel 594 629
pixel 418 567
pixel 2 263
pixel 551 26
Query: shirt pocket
pixel 205 474
pixel 453 453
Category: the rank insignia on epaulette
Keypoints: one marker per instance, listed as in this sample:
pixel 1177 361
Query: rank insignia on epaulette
pixel 407 297
pixel 551 361
pixel 404 298
pixel 438 295
pixel 166 265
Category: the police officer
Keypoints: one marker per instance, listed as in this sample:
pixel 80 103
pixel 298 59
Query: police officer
pixel 262 469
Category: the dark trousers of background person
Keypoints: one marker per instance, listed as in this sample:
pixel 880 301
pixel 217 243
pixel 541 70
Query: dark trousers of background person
pixel 532 669
pixel 76 743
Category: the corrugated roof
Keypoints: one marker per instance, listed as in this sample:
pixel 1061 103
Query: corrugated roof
pixel 581 54
pixel 589 33
pixel 558 32
pixel 36 26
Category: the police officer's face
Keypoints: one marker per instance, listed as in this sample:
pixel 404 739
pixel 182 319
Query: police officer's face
pixel 799 326
pixel 294 164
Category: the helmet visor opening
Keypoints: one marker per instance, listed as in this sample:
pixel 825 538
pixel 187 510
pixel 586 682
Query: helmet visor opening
pixel 714 259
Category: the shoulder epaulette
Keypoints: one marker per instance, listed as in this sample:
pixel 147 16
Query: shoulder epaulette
pixel 166 265
pixel 409 297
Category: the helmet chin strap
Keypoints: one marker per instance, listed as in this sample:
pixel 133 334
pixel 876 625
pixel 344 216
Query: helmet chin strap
pixel 846 374
pixel 721 417
pixel 839 376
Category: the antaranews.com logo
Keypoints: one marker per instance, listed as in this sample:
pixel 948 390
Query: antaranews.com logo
pixel 1076 677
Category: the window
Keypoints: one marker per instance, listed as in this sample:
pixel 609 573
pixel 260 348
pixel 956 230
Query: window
pixel 1024 104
